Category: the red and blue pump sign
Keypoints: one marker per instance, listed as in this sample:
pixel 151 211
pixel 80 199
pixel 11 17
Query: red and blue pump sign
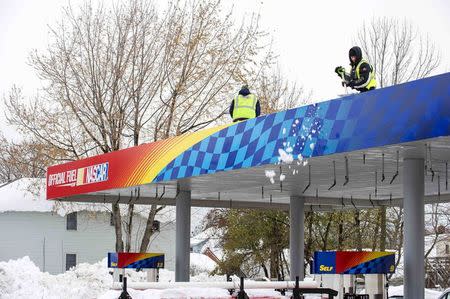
pixel 135 260
pixel 354 262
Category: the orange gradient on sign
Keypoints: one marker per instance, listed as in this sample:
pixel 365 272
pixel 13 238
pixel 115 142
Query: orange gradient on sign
pixel 129 167
pixel 348 259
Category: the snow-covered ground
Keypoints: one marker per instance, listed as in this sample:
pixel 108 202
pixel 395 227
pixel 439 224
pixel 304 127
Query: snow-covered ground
pixel 21 278
pixel 429 294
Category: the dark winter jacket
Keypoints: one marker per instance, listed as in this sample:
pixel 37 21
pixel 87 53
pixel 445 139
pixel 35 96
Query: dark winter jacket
pixel 245 92
pixel 364 72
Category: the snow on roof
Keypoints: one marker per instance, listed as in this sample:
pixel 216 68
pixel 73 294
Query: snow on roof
pixel 28 195
pixel 18 196
pixel 202 236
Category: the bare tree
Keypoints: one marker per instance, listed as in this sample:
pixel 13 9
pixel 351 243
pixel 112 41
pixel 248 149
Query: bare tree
pixel 395 233
pixel 276 93
pixel 23 159
pixel 122 75
pixel 397 50
pixel 399 53
pixel 437 222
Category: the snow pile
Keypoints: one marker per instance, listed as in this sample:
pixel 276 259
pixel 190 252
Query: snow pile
pixel 429 294
pixel 201 264
pixel 22 279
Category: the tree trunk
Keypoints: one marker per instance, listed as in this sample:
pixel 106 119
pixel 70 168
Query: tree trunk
pixel 273 263
pixel 327 232
pixel 308 248
pixel 266 273
pixel 376 231
pixel 383 229
pixel 398 236
pixel 280 266
pixel 148 229
pixel 340 232
pixel 288 271
pixel 129 227
pixel 117 226
pixel 358 230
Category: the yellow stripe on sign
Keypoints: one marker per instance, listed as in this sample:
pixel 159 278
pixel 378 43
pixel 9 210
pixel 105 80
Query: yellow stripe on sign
pixel 80 176
pixel 173 151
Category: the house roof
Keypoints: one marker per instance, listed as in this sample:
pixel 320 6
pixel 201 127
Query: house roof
pixel 28 195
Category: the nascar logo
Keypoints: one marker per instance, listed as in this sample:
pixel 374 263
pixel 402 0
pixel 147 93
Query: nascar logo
pixel 81 176
pixel 93 174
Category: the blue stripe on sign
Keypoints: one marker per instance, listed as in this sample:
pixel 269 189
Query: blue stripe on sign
pixel 219 146
pixel 204 145
pixel 211 144
pixel 268 122
pixel 207 160
pixel 407 112
pixel 241 153
pixel 333 109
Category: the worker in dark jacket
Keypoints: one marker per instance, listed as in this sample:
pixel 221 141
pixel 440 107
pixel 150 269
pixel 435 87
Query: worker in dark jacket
pixel 245 105
pixel 362 74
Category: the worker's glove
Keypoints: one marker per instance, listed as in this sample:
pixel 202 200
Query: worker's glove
pixel 339 70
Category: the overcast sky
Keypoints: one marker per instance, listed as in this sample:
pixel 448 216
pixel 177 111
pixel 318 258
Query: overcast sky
pixel 311 37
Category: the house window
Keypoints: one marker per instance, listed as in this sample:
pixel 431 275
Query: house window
pixel 71 260
pixel 447 249
pixel 155 226
pixel 72 221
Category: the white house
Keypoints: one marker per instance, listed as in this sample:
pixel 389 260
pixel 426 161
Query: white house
pixel 57 236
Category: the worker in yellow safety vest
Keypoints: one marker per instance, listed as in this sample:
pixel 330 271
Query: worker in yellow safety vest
pixel 362 74
pixel 245 105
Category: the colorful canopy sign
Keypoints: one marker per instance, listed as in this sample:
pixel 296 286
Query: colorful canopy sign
pixel 135 260
pixel 403 113
pixel 354 262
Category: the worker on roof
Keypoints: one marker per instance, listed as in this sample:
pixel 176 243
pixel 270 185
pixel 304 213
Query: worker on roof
pixel 245 105
pixel 362 74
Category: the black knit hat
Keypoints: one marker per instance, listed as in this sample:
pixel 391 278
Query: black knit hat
pixel 355 51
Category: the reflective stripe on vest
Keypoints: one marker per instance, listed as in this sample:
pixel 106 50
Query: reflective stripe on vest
pixel 371 81
pixel 244 106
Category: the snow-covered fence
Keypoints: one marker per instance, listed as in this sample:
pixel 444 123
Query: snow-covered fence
pixel 230 285
pixel 299 287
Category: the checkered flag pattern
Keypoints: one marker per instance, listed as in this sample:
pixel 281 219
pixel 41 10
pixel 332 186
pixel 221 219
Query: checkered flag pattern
pixel 148 263
pixel 377 265
pixel 403 113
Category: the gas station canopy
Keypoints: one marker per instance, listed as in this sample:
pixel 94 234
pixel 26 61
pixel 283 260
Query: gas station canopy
pixel 343 153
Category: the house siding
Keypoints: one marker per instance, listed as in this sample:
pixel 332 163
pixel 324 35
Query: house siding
pixel 44 238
